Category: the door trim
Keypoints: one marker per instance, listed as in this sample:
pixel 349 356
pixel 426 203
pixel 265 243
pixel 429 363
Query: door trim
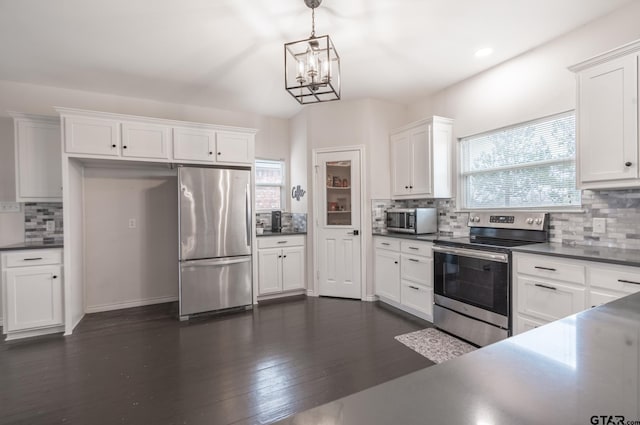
pixel 316 186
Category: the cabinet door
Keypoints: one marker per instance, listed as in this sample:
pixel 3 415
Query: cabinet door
pixel 400 164
pixel 234 147
pixel 387 274
pixel 417 269
pixel 34 297
pixel 269 271
pixel 38 161
pixel 421 183
pixel 549 300
pixel 608 121
pixel 92 136
pixel 194 144
pixel 417 297
pixel 141 140
pixel 293 268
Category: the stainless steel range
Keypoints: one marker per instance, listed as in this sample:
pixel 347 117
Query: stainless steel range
pixel 472 275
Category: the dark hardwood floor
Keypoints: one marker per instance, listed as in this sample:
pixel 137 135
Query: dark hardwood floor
pixel 142 366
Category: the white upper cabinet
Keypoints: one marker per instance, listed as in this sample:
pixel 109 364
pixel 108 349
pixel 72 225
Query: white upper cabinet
pixel 140 140
pixel 421 155
pixel 194 144
pixel 38 158
pixel 91 134
pixel 607 120
pixel 234 147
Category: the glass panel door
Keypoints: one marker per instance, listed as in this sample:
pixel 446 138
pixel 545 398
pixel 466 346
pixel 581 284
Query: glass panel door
pixel 338 193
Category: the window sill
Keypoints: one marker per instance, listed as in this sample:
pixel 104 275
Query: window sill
pixel 567 210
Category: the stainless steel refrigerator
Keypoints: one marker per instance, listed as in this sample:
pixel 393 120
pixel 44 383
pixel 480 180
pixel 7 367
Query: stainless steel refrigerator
pixel 215 239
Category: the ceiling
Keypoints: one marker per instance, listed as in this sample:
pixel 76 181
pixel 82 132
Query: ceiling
pixel 228 54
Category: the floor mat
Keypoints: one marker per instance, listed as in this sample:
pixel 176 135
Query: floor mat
pixel 435 345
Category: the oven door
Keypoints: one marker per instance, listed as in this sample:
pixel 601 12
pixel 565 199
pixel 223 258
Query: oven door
pixel 474 283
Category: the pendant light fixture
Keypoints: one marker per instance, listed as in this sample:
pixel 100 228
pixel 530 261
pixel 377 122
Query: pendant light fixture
pixel 312 66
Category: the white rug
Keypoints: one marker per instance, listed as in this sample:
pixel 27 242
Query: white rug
pixel 435 345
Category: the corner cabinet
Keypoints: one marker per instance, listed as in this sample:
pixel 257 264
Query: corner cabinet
pixel 38 159
pixel 32 293
pixel 607 120
pixel 421 156
pixel 403 274
pixel 89 134
pixel 281 265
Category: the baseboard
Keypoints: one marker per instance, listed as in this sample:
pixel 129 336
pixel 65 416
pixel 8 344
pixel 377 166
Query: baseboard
pixel 310 293
pixel 370 298
pixel 288 294
pixel 128 304
pixel 11 336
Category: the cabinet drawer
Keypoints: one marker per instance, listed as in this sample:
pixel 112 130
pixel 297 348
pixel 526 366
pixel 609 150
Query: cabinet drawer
pixel 417 297
pixel 417 248
pixel 280 241
pixel 37 257
pixel 417 269
pixel 541 266
pixel 623 279
pixel 387 243
pixel 548 300
pixel 524 324
pixel 597 298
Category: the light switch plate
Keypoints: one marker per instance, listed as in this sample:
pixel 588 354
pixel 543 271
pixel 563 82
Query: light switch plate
pixel 599 225
pixel 9 207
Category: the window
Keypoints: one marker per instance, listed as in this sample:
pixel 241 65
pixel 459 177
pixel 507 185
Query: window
pixel 269 185
pixel 529 165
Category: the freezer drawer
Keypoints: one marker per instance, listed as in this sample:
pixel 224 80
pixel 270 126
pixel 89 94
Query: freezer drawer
pixel 214 284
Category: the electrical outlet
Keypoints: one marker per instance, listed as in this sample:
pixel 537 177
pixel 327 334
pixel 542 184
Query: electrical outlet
pixel 599 225
pixel 9 207
pixel 51 226
pixel 132 223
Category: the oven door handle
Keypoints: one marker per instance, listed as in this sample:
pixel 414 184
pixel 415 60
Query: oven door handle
pixel 473 253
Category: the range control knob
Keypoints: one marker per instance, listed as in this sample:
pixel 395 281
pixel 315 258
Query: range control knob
pixel 529 220
pixel 538 221
pixel 475 219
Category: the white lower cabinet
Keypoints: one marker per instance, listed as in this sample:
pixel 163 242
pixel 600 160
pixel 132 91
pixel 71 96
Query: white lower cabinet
pixel 403 274
pixel 547 288
pixel 32 293
pixel 281 265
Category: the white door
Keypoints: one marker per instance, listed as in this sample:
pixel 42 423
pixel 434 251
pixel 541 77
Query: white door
pixel 400 163
pixel 234 147
pixel 387 274
pixel 269 271
pixel 292 268
pixel 194 144
pixel 420 158
pixel 141 140
pixel 338 223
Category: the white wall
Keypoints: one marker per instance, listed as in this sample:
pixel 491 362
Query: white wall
pixel 364 122
pixel 125 267
pixel 533 85
pixel 272 140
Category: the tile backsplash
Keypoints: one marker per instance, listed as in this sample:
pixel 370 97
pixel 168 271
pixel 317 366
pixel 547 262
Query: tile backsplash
pixel 620 209
pixel 36 217
pixel 291 222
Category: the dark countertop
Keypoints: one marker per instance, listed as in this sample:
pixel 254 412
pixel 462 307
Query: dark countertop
pixel 562 373
pixel 429 237
pixel 625 257
pixel 280 234
pixel 31 245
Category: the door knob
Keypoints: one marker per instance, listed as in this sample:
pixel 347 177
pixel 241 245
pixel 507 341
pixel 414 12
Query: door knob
pixel 628 164
pixel 354 233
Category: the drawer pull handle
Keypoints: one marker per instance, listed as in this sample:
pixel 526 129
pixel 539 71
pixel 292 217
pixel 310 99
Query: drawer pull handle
pixel 395 262
pixel 544 268
pixel 413 247
pixel 414 260
pixel 33 259
pixel 414 287
pixel 55 277
pixel 386 243
pixel 282 241
pixel 546 286
pixel 628 281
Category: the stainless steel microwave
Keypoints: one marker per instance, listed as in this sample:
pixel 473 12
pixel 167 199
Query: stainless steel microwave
pixel 412 220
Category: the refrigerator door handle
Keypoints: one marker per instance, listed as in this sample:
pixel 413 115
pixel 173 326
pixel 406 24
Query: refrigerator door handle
pixel 215 262
pixel 248 205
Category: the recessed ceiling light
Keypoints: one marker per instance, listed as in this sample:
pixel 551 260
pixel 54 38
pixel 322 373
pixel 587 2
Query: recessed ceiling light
pixel 484 52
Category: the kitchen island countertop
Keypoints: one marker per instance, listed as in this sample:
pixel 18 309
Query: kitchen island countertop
pixel 566 372
pixel 625 257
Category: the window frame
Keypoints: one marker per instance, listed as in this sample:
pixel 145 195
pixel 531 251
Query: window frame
pixel 283 185
pixel 460 175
